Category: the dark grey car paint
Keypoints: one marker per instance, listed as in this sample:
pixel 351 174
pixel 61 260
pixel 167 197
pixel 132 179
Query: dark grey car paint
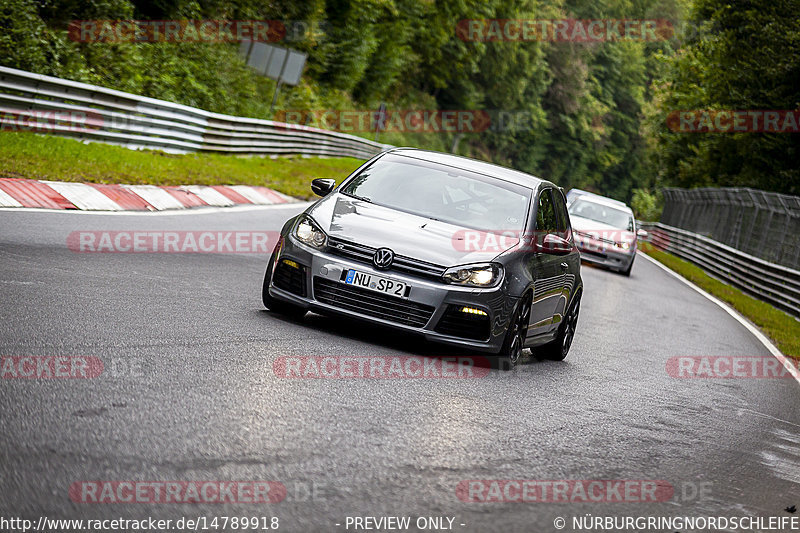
pixel 552 281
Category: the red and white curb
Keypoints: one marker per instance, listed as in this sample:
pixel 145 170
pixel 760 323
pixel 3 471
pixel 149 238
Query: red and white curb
pixel 18 192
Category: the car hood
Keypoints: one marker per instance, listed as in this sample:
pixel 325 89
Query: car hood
pixel 404 233
pixel 587 225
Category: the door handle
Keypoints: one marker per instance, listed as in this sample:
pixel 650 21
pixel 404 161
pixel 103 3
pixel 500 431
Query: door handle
pixel 564 266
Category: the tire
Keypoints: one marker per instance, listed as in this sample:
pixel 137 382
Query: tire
pixel 284 308
pixel 558 349
pixel 627 272
pixel 511 352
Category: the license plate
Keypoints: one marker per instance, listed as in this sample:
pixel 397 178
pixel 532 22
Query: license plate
pixel 377 284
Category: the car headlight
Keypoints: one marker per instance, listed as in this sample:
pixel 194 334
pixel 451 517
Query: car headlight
pixel 309 233
pixel 480 275
pixel 625 245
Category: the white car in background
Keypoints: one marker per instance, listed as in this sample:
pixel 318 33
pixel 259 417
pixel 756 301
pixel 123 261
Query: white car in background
pixel 605 230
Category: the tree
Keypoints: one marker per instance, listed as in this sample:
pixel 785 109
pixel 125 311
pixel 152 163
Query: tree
pixel 743 56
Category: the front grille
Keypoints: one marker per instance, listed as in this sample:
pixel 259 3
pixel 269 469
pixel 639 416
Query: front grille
pixel 290 276
pixel 363 254
pixel 371 303
pixel 467 325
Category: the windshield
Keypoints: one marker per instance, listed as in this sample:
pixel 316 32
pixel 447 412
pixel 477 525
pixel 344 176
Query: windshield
pixel 601 213
pixel 442 193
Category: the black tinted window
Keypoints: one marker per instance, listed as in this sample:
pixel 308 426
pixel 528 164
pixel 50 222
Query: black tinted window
pixel 546 220
pixel 564 227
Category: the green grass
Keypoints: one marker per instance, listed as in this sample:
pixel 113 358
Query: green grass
pixel 780 327
pixel 26 155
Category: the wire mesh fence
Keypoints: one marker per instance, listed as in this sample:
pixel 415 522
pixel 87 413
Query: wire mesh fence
pixel 762 224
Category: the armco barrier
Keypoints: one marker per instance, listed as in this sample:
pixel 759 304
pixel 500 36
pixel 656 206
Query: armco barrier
pixel 88 112
pixel 760 223
pixel 770 282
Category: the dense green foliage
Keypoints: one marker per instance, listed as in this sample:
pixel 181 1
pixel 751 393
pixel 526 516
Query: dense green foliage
pixel 588 115
pixel 647 205
pixel 738 56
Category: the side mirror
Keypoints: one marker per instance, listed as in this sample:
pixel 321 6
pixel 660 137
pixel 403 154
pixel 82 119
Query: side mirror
pixel 323 186
pixel 642 234
pixel 555 245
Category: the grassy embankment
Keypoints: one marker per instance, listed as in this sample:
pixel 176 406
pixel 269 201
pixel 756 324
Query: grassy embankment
pixel 25 155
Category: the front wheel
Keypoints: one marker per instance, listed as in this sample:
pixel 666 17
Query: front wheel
pixel 285 308
pixel 511 352
pixel 627 272
pixel 558 349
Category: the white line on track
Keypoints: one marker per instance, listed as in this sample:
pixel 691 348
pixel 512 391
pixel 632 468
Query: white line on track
pixel 787 364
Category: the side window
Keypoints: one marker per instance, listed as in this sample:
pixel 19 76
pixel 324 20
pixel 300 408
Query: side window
pixel 564 226
pixel 546 220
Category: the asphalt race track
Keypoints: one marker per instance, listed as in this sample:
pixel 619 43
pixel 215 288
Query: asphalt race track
pixel 188 392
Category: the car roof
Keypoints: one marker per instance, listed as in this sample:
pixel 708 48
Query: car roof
pixel 472 165
pixel 602 200
pixel 580 192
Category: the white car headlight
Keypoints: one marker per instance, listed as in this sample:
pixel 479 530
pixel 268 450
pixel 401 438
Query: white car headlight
pixel 480 275
pixel 309 233
pixel 625 245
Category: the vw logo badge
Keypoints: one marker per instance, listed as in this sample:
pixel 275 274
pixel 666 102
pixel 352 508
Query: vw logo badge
pixel 383 258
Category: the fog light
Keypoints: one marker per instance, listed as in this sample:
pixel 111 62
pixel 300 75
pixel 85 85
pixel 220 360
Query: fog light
pixel 473 311
pixel 291 263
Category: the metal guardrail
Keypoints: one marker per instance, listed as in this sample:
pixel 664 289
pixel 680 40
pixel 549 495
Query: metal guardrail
pixel 763 224
pixel 775 284
pixel 88 112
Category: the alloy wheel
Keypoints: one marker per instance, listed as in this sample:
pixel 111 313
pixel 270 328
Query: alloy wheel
pixel 570 326
pixel 519 331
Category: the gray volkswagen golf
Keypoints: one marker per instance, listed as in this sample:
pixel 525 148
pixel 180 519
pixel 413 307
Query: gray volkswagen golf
pixel 463 252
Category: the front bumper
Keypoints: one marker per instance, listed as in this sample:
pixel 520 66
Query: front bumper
pixel 322 272
pixel 605 254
